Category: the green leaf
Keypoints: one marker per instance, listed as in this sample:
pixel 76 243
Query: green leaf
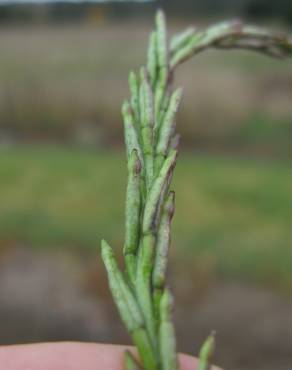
pixel 207 353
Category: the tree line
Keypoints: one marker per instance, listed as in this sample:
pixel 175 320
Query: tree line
pixel 254 9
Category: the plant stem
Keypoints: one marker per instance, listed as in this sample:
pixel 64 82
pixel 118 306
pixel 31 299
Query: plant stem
pixel 141 296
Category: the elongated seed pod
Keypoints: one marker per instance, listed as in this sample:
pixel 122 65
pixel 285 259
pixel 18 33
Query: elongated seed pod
pixel 130 362
pixel 161 201
pixel 167 341
pixel 168 124
pixel 152 200
pixel 203 39
pixel 157 294
pixel 234 35
pixel 159 97
pixel 152 58
pixel 167 128
pixel 142 97
pixel 162 111
pixel 185 52
pixel 162 52
pixel 143 282
pixel 133 208
pixel 142 113
pixel 147 123
pixel 134 89
pixel 163 242
pixel 162 248
pixel 122 294
pixel 131 136
pixel 256 39
pixel 148 356
pixel 218 31
pixel 149 102
pixel 207 353
pixel 162 56
pixel 181 39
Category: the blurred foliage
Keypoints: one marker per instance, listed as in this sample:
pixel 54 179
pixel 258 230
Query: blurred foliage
pixel 65 84
pixel 55 86
pixel 237 211
pixel 258 9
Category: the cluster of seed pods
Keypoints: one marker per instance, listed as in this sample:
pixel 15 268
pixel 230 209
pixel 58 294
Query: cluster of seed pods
pixel 140 292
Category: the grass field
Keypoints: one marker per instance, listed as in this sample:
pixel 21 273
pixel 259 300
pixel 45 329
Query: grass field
pixel 235 213
pixel 66 83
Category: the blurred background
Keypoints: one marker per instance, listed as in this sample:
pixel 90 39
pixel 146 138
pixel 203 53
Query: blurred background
pixel 63 73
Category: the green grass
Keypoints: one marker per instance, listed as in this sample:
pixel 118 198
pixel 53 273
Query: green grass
pixel 264 131
pixel 237 212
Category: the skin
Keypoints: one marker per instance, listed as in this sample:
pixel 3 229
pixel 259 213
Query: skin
pixel 71 356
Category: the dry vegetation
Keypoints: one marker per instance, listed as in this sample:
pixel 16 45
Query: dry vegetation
pixel 67 83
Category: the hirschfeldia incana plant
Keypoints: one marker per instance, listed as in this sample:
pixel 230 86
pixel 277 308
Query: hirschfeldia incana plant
pixel 140 292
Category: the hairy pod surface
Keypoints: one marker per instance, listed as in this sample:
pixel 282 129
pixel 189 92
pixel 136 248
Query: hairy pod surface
pixel 140 294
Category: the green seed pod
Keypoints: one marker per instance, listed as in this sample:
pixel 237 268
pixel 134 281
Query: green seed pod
pixel 217 31
pixel 241 36
pixel 142 98
pixel 147 123
pixel 161 201
pixel 122 294
pixel 234 35
pixel 167 341
pixel 131 137
pixel 149 101
pixel 142 300
pixel 200 41
pixel 163 243
pixel 130 362
pixel 152 62
pixel 181 39
pixel 162 112
pixel 187 51
pixel 167 128
pixel 143 282
pixel 159 97
pixel 162 56
pixel 133 208
pixel 162 52
pixel 153 198
pixel 146 351
pixel 157 294
pixel 134 89
pixel 207 353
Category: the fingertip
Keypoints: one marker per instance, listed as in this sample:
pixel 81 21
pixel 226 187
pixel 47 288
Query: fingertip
pixel 188 362
pixel 191 363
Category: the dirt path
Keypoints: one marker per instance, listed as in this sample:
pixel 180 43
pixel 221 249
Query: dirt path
pixel 57 296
